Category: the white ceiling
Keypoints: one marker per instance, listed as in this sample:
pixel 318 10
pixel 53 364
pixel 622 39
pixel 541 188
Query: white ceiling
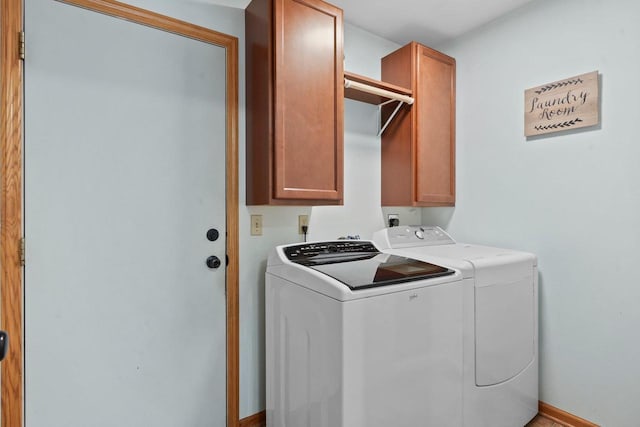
pixel 426 21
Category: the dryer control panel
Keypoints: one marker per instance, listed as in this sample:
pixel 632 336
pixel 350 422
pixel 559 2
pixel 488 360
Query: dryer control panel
pixel 405 236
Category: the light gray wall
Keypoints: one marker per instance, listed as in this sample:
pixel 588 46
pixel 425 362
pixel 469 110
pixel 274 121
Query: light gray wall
pixel 573 199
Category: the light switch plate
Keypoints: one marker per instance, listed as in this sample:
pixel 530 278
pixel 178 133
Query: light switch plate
pixel 256 225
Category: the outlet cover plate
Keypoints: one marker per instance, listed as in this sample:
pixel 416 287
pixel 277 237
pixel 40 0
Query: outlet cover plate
pixel 303 220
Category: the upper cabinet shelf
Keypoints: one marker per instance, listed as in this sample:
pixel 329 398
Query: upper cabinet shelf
pixel 364 89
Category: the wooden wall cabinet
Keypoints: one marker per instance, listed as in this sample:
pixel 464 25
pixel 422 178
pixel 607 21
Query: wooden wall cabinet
pixel 295 102
pixel 418 146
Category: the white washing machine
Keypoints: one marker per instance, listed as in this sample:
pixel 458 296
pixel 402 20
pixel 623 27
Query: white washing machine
pixel 359 338
pixel 501 321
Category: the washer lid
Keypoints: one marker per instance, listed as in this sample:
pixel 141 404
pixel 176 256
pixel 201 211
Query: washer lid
pixel 359 265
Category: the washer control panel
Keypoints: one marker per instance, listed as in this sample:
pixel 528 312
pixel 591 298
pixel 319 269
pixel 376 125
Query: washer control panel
pixel 337 248
pixel 417 235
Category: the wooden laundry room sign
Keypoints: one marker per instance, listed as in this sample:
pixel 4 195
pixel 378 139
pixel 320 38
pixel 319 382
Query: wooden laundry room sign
pixel 566 104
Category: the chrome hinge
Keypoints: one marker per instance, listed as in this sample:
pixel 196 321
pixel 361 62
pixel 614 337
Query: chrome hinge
pixel 21 45
pixel 22 251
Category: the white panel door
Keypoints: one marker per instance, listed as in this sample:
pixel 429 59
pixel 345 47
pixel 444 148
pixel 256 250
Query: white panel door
pixel 124 175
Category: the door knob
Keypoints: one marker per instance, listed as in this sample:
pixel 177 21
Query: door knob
pixel 4 344
pixel 213 262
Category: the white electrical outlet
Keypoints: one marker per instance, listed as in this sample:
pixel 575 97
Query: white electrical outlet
pixel 256 225
pixel 302 220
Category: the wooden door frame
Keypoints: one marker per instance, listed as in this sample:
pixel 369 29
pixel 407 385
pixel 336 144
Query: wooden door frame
pixel 11 191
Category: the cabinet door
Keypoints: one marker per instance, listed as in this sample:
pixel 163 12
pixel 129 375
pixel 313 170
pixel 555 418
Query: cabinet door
pixel 435 130
pixel 309 104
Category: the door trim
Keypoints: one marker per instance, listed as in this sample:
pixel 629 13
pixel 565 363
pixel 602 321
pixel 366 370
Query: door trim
pixel 11 188
pixel 11 99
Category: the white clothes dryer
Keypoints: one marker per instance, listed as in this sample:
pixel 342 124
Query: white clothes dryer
pixel 501 321
pixel 359 338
